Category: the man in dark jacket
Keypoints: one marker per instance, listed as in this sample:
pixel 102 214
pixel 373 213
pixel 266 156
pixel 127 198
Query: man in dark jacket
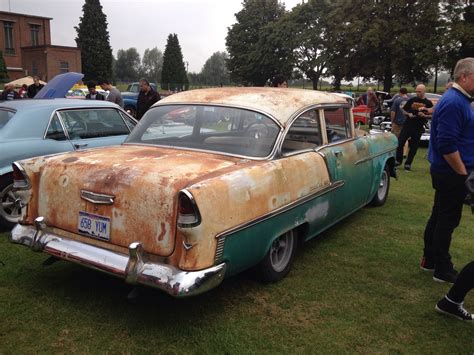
pixel 34 88
pixel 416 111
pixel 93 94
pixel 451 156
pixel 146 98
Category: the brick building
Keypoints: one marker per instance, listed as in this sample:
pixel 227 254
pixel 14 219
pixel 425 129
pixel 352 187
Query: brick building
pixel 27 49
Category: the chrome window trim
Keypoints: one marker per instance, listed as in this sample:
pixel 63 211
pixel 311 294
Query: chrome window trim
pixel 322 126
pixel 51 117
pixel 332 186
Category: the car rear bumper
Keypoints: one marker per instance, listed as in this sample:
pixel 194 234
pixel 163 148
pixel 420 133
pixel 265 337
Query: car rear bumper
pixel 133 268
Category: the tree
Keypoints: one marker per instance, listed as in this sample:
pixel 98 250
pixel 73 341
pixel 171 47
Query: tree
pixel 214 71
pixel 93 41
pixel 173 75
pixel 3 70
pixel 253 56
pixel 127 66
pixel 152 63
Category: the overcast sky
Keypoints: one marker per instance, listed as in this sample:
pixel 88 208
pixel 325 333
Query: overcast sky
pixel 201 25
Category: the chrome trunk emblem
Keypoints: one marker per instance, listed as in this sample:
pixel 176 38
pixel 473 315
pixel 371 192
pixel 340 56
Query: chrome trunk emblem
pixel 100 199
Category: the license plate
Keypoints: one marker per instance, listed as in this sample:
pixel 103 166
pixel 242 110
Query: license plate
pixel 94 225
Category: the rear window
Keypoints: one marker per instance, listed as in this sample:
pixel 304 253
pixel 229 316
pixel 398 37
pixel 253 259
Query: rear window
pixel 214 128
pixel 5 116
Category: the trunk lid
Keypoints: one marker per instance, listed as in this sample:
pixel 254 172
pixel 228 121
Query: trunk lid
pixel 142 181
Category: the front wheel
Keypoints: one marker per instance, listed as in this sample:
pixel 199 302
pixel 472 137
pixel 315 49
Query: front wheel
pixel 9 210
pixel 382 191
pixel 277 262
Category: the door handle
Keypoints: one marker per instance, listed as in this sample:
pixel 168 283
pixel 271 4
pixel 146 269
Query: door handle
pixel 80 145
pixel 338 153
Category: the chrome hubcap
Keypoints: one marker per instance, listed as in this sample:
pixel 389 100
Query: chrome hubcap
pixel 281 250
pixel 9 209
pixel 382 190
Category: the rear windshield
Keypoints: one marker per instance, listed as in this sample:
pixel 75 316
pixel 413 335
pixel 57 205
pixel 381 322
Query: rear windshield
pixel 5 116
pixel 214 128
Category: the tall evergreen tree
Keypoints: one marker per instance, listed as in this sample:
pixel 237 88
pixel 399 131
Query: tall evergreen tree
pixel 93 41
pixel 173 74
pixel 3 70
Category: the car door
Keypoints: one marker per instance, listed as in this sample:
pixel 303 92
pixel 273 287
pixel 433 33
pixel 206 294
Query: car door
pixel 347 158
pixel 95 127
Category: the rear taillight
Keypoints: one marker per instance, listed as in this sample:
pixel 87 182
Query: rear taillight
pixel 20 179
pixel 188 213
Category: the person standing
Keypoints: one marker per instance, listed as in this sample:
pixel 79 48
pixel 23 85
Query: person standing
pixel 451 156
pixel 23 91
pixel 35 87
pixel 396 112
pixel 452 304
pixel 372 104
pixel 9 93
pixel 114 95
pixel 416 110
pixel 93 94
pixel 279 81
pixel 146 97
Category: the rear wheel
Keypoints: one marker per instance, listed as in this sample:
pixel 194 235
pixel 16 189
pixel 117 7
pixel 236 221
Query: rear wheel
pixel 382 191
pixel 277 262
pixel 9 211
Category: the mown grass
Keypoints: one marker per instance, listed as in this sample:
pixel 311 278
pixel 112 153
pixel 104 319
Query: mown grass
pixel 356 288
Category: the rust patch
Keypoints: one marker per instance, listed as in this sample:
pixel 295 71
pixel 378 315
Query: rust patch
pixel 70 160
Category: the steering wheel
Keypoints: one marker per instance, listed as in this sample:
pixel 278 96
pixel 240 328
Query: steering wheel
pixel 257 130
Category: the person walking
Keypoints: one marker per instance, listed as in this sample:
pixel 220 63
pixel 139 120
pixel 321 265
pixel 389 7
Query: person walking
pixel 452 304
pixel 9 93
pixel 451 156
pixel 146 97
pixel 416 111
pixel 114 95
pixel 35 87
pixel 93 94
pixel 372 104
pixel 396 112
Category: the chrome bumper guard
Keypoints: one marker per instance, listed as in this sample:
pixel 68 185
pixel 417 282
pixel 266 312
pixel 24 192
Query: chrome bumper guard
pixel 134 268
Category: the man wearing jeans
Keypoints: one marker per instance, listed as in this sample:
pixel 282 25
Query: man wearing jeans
pixel 451 154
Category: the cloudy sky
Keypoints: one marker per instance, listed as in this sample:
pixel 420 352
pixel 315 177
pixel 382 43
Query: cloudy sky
pixel 201 25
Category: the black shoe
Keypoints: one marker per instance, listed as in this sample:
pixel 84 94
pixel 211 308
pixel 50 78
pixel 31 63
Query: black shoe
pixel 445 276
pixel 397 163
pixel 450 308
pixel 427 265
pixel 407 167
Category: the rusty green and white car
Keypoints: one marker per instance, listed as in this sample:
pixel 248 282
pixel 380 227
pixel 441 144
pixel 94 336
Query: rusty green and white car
pixel 210 183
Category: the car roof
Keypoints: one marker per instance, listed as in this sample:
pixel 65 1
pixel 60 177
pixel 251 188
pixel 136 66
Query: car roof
pixel 32 104
pixel 280 103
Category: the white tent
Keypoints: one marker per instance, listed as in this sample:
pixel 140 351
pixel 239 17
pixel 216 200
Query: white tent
pixel 28 80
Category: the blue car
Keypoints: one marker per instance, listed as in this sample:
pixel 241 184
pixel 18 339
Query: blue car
pixel 31 128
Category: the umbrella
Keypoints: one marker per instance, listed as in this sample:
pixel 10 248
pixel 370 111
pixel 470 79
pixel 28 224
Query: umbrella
pixel 28 80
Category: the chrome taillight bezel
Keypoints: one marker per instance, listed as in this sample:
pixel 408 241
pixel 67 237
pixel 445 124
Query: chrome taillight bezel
pixel 188 220
pixel 20 184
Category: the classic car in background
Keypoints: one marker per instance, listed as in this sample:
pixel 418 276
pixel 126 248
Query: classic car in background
pixel 29 128
pixel 244 178
pixel 361 113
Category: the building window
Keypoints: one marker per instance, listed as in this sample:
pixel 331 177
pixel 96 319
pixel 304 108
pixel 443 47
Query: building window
pixel 34 68
pixel 63 67
pixel 8 31
pixel 35 29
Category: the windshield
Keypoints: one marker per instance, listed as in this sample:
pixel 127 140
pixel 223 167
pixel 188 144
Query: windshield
pixel 220 129
pixel 5 116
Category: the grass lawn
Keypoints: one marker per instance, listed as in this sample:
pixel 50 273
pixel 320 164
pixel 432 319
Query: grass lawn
pixel 356 288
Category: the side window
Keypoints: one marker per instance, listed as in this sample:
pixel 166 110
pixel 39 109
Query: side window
pixel 55 130
pixel 304 133
pixel 94 123
pixel 337 124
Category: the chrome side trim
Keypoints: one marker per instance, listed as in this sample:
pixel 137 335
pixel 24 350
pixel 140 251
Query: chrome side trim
pixel 135 268
pixel 219 249
pixel 98 199
pixel 331 187
pixel 370 157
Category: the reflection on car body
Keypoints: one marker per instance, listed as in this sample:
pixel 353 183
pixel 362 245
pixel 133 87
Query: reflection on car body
pixel 182 205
